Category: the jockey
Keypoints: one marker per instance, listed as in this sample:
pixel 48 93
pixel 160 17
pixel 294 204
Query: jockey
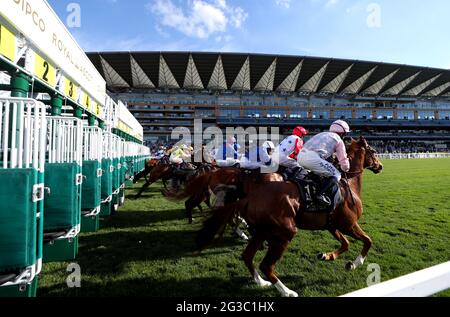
pixel 161 153
pixel 319 150
pixel 258 157
pixel 181 154
pixel 228 155
pixel 286 153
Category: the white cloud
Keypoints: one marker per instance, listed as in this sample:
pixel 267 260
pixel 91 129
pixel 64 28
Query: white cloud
pixel 331 3
pixel 202 19
pixel 284 3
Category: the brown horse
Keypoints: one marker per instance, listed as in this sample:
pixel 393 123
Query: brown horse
pixel 220 182
pixel 162 172
pixel 149 165
pixel 277 216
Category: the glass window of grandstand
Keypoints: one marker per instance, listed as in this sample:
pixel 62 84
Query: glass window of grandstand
pixel 405 115
pixel 444 115
pixel 426 115
pixel 204 113
pixel 299 114
pixel 252 113
pixel 387 115
pixel 230 113
pixel 364 114
pixel 273 113
pixel 321 115
pixel 343 114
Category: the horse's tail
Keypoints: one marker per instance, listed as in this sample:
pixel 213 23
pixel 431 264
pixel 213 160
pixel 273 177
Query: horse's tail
pixel 216 224
pixel 198 184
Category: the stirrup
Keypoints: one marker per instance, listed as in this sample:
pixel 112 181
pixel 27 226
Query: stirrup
pixel 323 199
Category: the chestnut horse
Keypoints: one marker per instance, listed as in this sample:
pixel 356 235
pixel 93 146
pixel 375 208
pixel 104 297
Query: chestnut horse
pixel 149 165
pixel 273 211
pixel 162 172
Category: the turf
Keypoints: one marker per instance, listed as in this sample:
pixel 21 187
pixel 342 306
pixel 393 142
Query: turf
pixel 147 248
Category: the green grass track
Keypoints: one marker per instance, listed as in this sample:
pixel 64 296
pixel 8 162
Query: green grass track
pixel 147 248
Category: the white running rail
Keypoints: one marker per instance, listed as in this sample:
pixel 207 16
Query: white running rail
pixel 413 156
pixel 423 283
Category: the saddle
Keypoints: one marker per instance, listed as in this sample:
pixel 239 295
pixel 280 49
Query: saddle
pixel 310 186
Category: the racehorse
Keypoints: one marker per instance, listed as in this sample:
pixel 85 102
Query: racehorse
pixel 162 171
pixel 277 216
pixel 228 184
pixel 149 165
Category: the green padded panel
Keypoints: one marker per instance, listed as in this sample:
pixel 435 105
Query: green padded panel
pixel 116 175
pixel 62 207
pixel 92 186
pixel 106 179
pixel 18 226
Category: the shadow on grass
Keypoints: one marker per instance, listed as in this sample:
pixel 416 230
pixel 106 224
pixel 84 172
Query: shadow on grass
pixel 135 219
pixel 212 287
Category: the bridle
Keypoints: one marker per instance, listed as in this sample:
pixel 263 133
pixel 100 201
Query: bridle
pixel 350 175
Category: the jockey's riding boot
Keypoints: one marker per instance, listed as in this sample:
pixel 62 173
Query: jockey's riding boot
pixel 322 197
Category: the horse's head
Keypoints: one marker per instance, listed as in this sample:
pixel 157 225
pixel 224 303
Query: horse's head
pixel 360 151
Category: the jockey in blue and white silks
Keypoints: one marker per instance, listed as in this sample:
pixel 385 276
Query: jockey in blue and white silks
pixel 258 157
pixel 228 155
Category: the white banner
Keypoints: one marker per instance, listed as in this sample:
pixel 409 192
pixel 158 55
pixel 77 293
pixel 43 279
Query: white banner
pixel 37 21
pixel 128 123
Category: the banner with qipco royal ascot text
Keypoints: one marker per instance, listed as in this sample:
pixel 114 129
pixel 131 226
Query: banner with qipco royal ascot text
pixel 40 25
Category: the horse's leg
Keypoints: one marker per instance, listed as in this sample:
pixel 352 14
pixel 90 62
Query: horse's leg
pixel 236 223
pixel 146 185
pixel 360 235
pixel 334 255
pixel 208 200
pixel 276 249
pixel 249 254
pixel 190 204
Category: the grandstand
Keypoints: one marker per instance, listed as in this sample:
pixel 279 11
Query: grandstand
pixel 399 107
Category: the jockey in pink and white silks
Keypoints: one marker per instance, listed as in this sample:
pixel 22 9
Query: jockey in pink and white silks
pixel 317 151
pixel 287 152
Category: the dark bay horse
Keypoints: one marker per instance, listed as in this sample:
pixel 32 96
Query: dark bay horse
pixel 273 211
pixel 217 181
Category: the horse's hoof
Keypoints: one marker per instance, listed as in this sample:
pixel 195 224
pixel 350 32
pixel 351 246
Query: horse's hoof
pixel 321 257
pixel 350 266
pixel 291 294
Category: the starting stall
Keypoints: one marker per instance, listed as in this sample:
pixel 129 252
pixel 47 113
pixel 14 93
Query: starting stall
pixel 22 159
pixel 66 148
pixel 92 173
pixel 63 178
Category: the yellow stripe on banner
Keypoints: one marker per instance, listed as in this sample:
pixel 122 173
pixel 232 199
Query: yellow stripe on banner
pixel 44 70
pixel 70 89
pixel 99 111
pixel 7 43
pixel 87 101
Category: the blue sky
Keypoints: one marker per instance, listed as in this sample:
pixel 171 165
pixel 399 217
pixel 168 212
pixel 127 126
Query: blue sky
pixel 412 32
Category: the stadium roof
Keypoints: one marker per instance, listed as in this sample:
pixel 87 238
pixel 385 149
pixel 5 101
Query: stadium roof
pixel 266 73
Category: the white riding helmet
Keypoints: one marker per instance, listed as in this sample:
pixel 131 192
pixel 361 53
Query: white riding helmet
pixel 268 145
pixel 340 127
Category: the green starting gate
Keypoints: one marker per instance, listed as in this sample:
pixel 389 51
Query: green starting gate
pixel 63 177
pixel 22 158
pixel 92 173
pixel 117 163
pixel 107 175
